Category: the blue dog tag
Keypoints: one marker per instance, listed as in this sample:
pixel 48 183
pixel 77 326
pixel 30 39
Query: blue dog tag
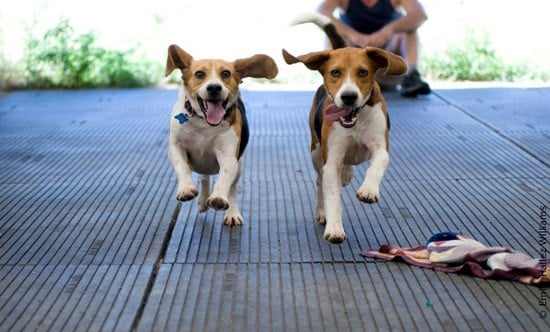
pixel 182 118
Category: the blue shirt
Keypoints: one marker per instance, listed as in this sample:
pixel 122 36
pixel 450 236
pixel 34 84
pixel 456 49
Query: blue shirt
pixel 369 20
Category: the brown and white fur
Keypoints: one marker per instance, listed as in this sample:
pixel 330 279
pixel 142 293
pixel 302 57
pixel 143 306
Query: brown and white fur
pixel 348 122
pixel 208 127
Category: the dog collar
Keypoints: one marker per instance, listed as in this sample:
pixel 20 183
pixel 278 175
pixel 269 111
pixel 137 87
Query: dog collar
pixel 188 107
pixel 184 117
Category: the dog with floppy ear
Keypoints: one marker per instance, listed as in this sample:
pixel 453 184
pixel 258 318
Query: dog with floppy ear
pixel 348 122
pixel 208 127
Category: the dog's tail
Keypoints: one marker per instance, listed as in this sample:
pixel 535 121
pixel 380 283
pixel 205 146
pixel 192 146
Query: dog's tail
pixel 324 23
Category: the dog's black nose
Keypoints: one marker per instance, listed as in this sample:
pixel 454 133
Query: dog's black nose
pixel 349 98
pixel 213 89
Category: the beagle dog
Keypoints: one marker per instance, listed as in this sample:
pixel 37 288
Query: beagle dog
pixel 209 129
pixel 348 122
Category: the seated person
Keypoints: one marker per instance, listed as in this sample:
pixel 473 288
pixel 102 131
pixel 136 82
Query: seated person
pixel 379 23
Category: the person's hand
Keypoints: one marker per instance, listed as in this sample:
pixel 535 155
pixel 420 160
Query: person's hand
pixel 378 39
pixel 360 40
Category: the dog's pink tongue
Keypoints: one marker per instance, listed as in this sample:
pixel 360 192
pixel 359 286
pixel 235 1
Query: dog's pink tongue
pixel 334 113
pixel 214 112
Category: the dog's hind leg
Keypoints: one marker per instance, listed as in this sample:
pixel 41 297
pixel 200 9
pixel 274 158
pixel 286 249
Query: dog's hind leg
pixel 204 192
pixel 347 175
pixel 320 210
pixel 317 160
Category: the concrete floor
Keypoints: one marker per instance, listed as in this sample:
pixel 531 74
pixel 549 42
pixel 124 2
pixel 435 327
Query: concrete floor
pixel 92 237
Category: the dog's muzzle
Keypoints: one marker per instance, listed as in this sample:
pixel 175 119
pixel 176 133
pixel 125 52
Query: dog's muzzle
pixel 346 116
pixel 213 109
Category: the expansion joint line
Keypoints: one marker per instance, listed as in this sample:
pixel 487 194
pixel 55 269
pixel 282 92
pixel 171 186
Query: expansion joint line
pixel 158 263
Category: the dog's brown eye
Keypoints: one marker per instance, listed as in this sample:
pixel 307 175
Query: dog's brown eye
pixel 199 74
pixel 226 74
pixel 335 73
pixel 363 73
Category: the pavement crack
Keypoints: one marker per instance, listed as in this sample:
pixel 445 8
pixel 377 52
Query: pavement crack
pixel 160 259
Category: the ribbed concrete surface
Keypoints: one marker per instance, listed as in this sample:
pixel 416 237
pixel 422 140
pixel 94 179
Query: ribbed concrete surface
pixel 92 238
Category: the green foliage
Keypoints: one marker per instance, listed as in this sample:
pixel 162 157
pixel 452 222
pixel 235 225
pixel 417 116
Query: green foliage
pixel 474 60
pixel 62 59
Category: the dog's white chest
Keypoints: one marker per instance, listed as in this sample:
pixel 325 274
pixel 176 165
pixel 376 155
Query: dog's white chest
pixel 201 143
pixel 367 136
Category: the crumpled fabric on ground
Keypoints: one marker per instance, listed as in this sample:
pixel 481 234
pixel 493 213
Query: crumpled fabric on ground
pixel 455 253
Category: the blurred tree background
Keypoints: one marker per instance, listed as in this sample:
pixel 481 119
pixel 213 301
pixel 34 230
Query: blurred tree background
pixel 77 44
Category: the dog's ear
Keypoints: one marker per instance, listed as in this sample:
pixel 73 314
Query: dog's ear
pixel 177 58
pixel 313 61
pixel 394 64
pixel 258 66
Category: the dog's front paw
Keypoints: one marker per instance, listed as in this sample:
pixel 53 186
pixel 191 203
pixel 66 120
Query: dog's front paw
pixel 368 195
pixel 347 175
pixel 217 203
pixel 232 219
pixel 334 233
pixel 187 193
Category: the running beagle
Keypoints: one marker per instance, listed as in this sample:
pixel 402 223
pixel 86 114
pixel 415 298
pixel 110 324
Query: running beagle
pixel 348 121
pixel 209 129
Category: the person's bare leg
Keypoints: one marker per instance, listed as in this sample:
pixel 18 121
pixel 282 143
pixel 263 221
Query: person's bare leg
pixel 410 44
pixel 394 45
pixel 412 84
